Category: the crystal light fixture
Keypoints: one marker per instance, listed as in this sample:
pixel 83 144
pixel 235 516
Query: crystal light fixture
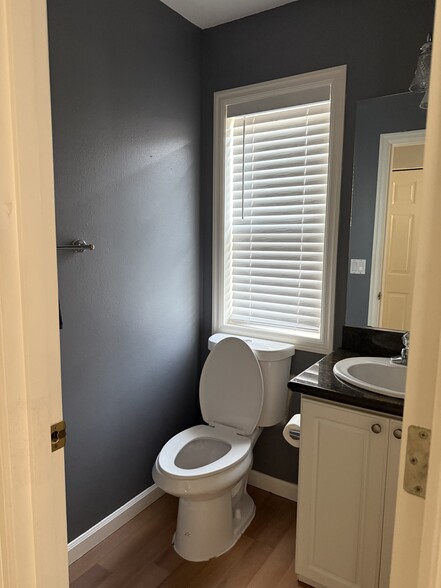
pixel 420 82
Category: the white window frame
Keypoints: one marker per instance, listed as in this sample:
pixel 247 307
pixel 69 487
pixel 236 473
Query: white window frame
pixel 335 79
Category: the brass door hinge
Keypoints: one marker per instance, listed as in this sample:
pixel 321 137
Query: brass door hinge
pixel 417 460
pixel 58 435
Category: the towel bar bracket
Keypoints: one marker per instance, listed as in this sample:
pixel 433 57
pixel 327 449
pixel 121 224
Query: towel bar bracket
pixel 77 246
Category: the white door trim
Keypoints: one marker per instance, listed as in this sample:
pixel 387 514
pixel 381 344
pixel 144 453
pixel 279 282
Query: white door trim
pixel 387 142
pixel 33 546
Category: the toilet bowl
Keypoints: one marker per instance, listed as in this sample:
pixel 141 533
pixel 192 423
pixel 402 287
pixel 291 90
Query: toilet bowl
pixel 203 473
pixel 207 466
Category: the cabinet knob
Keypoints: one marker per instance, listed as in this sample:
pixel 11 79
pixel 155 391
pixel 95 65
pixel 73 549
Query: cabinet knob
pixel 397 433
pixel 376 428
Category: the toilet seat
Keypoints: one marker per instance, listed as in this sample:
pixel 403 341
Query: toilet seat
pixel 231 386
pixel 240 447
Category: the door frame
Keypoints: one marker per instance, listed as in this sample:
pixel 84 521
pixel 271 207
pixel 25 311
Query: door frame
pixel 387 142
pixel 33 538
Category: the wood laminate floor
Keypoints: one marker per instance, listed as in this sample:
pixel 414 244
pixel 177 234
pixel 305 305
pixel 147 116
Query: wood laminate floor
pixel 140 554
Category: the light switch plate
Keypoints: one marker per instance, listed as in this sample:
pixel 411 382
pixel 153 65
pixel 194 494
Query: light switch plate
pixel 358 266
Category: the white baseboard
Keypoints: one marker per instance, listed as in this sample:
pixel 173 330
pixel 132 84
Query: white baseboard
pixel 273 485
pixel 112 523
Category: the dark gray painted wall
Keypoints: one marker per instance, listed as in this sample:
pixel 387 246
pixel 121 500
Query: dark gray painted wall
pixel 125 82
pixel 296 38
pixel 389 114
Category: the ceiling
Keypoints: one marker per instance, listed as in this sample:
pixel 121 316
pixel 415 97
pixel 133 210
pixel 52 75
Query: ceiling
pixel 209 13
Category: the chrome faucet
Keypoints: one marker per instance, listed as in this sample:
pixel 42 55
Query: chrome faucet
pixel 402 358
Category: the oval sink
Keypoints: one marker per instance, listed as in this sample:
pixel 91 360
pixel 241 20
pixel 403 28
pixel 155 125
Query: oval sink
pixel 376 374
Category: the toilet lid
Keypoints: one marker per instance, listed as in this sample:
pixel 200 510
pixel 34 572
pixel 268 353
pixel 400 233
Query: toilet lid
pixel 231 386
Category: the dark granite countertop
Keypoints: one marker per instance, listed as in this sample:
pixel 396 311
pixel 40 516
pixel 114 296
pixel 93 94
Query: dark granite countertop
pixel 319 381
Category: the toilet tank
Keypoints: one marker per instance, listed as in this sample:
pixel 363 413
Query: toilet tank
pixel 275 362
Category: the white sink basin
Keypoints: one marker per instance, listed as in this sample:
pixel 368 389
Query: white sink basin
pixel 376 374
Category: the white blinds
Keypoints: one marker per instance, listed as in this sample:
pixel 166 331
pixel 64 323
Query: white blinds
pixel 276 188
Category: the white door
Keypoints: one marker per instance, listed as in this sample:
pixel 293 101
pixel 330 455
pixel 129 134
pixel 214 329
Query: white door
pixel 343 461
pixel 402 228
pixel 416 560
pixel 33 545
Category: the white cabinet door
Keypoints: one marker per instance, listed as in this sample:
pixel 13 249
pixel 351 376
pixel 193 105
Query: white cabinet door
pixel 343 459
pixel 390 499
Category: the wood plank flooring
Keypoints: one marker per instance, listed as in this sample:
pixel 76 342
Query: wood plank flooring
pixel 140 554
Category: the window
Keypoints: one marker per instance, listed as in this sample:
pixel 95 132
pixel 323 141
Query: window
pixel 277 155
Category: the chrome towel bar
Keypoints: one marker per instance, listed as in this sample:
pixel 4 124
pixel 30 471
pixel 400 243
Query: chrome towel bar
pixel 77 246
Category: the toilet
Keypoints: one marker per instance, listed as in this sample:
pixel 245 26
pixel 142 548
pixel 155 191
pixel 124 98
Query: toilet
pixel 243 387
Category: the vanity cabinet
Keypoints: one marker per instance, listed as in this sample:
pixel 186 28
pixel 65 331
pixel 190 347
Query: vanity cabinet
pixel 347 486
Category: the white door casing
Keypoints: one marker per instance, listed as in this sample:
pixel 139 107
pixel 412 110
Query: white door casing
pixel 33 545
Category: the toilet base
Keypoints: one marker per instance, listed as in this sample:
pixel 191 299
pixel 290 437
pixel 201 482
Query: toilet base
pixel 208 528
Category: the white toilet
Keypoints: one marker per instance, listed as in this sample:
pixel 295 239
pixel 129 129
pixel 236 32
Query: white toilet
pixel 243 387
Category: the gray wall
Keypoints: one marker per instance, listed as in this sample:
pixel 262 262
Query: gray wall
pixel 299 37
pixel 125 82
pixel 389 114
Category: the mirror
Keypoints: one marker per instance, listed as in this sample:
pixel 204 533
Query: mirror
pixel 389 138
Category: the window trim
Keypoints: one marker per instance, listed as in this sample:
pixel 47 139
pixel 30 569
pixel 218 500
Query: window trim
pixel 335 79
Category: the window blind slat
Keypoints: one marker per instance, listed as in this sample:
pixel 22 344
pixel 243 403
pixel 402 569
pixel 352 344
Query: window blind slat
pixel 283 104
pixel 292 237
pixel 261 308
pixel 252 173
pixel 313 139
pixel 256 135
pixel 284 154
pixel 285 199
pixel 283 190
pixel 251 180
pixel 308 294
pixel 278 121
pixel 277 280
pixel 313 210
pixel 254 206
pixel 284 114
pixel 247 253
pixel 281 165
pixel 284 320
pixel 269 229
